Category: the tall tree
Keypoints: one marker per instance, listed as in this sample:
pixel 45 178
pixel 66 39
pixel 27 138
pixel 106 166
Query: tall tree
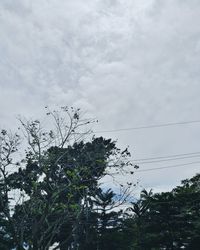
pixel 168 220
pixel 57 179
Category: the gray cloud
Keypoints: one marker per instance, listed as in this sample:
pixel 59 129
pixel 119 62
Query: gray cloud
pixel 128 63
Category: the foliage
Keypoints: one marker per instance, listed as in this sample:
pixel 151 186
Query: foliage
pixel 168 220
pixel 52 197
pixel 57 183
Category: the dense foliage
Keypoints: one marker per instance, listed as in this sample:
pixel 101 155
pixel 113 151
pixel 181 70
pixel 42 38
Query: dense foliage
pixel 168 220
pixel 53 197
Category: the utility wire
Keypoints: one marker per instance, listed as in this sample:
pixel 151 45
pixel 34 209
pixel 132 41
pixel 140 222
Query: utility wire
pixel 170 159
pixel 166 167
pixel 167 156
pixel 149 126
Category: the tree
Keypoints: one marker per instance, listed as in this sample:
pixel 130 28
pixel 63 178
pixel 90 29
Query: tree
pixel 167 220
pixel 139 209
pixel 108 220
pixel 56 181
pixel 52 197
pixel 188 195
pixel 8 148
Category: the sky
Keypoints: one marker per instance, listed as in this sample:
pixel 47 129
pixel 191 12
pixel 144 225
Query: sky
pixel 129 63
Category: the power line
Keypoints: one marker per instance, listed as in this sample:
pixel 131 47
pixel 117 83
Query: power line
pixel 149 126
pixel 172 166
pixel 171 159
pixel 167 156
pixel 164 160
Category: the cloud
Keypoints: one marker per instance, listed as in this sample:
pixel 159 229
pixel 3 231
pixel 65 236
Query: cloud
pixel 128 63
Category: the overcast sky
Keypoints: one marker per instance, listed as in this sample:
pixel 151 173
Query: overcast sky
pixel 127 62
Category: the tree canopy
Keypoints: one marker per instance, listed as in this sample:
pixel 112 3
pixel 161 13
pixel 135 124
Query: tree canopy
pixel 52 198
